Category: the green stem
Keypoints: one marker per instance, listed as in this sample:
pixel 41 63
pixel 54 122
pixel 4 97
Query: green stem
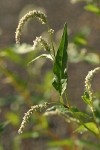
pixel 52 45
pixel 51 40
pixel 94 117
pixel 85 125
pixel 68 102
pixel 61 100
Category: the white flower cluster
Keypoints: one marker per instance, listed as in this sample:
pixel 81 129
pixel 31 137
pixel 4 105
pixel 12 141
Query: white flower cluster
pixel 88 82
pixel 31 14
pixel 29 113
pixel 51 31
pixel 42 42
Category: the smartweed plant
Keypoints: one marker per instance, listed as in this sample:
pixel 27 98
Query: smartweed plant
pixel 59 58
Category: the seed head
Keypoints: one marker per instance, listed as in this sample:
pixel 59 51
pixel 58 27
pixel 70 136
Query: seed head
pixel 51 31
pixel 29 113
pixel 42 42
pixel 31 14
pixel 88 82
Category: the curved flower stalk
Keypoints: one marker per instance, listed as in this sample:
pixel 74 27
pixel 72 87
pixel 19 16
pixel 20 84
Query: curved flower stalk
pixel 90 93
pixel 62 114
pixel 88 82
pixel 48 109
pixel 31 14
pixel 27 115
pixel 39 40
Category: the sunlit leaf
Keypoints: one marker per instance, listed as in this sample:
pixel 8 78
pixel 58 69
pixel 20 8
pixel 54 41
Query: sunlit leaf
pixel 67 142
pixel 59 69
pixel 16 52
pixel 41 56
pixel 80 40
pixel 92 8
pixel 10 54
pixel 23 48
pixel 12 118
pixel 30 135
pixel 91 126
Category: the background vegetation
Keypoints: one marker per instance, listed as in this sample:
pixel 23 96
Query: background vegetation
pixel 22 86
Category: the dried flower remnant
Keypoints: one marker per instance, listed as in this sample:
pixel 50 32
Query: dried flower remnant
pixel 35 108
pixel 42 42
pixel 31 14
pixel 88 82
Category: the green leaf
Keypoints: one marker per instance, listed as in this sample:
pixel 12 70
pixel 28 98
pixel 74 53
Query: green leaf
pixel 85 98
pixel 41 56
pixel 79 40
pixel 96 105
pixel 67 142
pixel 90 126
pixel 3 125
pixel 10 54
pixel 80 115
pixel 60 64
pixel 70 142
pixel 13 118
pixel 92 8
pixel 30 135
pixel 87 144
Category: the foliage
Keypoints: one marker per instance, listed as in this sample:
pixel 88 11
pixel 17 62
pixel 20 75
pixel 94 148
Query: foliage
pixel 86 124
pixel 59 68
pixel 60 81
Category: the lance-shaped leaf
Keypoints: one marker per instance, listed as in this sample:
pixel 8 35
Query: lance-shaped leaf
pixel 60 64
pixel 89 126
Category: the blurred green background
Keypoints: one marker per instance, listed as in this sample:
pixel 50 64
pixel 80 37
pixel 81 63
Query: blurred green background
pixel 22 86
